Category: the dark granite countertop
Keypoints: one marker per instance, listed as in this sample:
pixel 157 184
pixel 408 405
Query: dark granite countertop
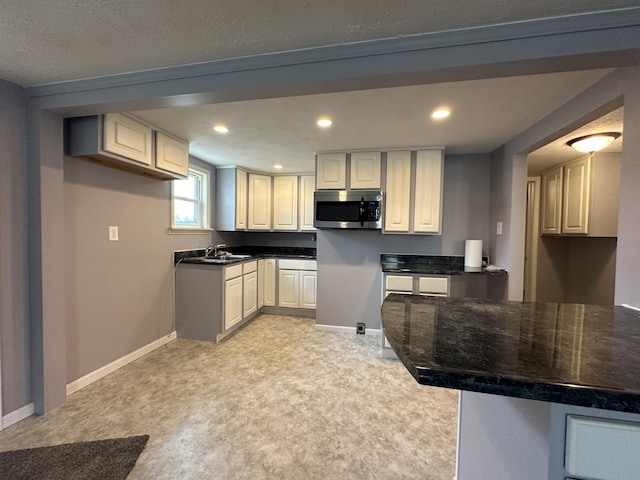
pixel 432 265
pixel 196 256
pixel 586 355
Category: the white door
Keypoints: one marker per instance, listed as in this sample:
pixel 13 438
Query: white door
pixel 365 170
pixel 285 202
pixel 288 284
pixel 270 282
pixel 232 302
pixel 259 212
pixel 127 137
pixel 398 192
pixel 577 184
pixel 428 191
pixel 249 294
pixel 307 294
pixel 307 187
pixel 172 154
pixel 331 171
pixel 532 235
pixel 551 201
pixel 241 200
pixel 260 283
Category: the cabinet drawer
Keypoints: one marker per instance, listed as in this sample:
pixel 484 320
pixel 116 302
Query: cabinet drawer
pixel 232 271
pixel 433 285
pixel 249 267
pixel 602 449
pixel 292 264
pixel 399 283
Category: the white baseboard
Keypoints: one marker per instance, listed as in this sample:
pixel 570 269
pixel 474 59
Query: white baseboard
pixel 89 378
pixel 14 417
pixel 341 329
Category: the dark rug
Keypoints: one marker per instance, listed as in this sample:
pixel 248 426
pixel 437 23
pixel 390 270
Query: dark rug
pixel 101 460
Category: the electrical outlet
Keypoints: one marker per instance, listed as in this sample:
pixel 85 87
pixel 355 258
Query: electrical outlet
pixel 113 233
pixel 360 328
pixel 499 228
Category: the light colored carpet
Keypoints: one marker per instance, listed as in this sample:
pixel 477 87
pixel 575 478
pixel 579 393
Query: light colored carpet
pixel 278 400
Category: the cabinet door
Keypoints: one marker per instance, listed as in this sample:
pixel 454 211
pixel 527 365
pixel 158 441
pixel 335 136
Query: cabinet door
pixel 307 293
pixel 285 202
pixel 331 171
pixel 232 302
pixel 365 170
pixel 577 184
pixel 259 212
pixel 551 208
pixel 270 282
pixel 241 200
pixel 307 187
pixel 288 284
pixel 260 283
pixel 249 294
pixel 127 137
pixel 172 154
pixel 428 192
pixel 398 192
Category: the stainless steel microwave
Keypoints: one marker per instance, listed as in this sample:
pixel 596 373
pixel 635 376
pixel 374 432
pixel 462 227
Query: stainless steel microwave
pixel 348 209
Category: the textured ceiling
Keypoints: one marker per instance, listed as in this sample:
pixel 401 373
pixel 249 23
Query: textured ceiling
pixel 57 40
pixel 485 114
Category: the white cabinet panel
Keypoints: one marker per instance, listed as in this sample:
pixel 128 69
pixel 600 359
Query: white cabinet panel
pixel 428 191
pixel 288 285
pixel 232 302
pixel 399 283
pixel 433 286
pixel 172 154
pixel 241 200
pixel 331 171
pixel 398 192
pixel 285 202
pixel 259 211
pixel 250 294
pixel 307 187
pixel 260 283
pixel 307 294
pixel 551 210
pixel 128 137
pixel 270 282
pixel 365 170
pixel 575 216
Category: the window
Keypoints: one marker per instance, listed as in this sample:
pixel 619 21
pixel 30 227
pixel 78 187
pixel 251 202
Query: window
pixel 190 200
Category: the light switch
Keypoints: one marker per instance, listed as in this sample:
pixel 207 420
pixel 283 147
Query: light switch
pixel 113 233
pixel 499 228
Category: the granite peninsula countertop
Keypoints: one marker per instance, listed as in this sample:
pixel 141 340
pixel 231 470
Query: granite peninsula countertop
pixel 432 265
pixel 585 355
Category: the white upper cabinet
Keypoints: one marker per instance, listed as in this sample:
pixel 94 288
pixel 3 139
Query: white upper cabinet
pixel 240 198
pixel 577 180
pixel 428 191
pixel 365 170
pixel 172 154
pixel 259 211
pixel 285 202
pixel 307 187
pixel 128 137
pixel 397 192
pixel 581 197
pixel 551 211
pixel 331 171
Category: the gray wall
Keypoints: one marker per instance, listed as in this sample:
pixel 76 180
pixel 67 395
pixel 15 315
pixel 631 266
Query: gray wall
pixel 119 295
pixel 349 273
pixel 14 251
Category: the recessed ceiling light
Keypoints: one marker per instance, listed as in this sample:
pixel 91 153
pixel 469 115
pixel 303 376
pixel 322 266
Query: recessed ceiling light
pixel 324 122
pixel 221 128
pixel 440 113
pixel 277 166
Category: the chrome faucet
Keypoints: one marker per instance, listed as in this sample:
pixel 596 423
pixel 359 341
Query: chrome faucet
pixel 208 251
pixel 215 249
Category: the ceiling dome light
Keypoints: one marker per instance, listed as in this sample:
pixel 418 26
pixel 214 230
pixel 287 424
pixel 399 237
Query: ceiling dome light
pixel 593 143
pixel 221 128
pixel 440 114
pixel 324 122
pixel 277 166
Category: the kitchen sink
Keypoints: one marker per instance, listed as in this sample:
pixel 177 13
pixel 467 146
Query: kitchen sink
pixel 222 258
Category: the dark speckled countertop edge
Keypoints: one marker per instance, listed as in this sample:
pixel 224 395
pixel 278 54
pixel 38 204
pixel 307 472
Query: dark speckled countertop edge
pixel 433 265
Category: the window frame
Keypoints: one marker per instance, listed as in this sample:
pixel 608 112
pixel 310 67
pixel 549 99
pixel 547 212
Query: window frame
pixel 204 203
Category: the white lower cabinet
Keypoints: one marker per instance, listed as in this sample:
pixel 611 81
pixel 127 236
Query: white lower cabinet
pixel 288 286
pixel 250 294
pixel 307 289
pixel 232 302
pixel 297 283
pixel 269 287
pixel 260 283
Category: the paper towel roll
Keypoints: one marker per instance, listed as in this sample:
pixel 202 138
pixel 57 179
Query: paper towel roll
pixel 473 253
